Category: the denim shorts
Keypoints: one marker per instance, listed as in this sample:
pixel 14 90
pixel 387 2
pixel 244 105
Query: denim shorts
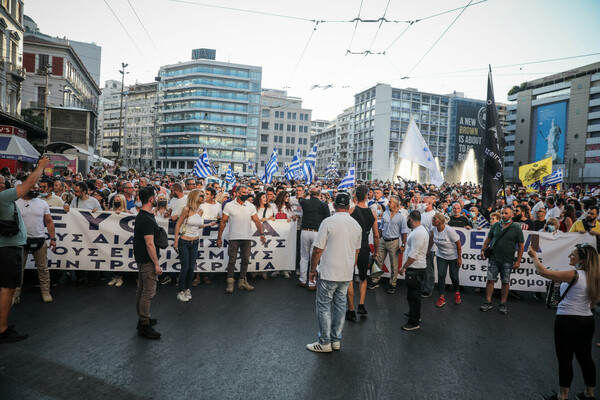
pixel 496 267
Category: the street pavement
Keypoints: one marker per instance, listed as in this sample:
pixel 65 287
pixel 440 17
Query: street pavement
pixel 251 345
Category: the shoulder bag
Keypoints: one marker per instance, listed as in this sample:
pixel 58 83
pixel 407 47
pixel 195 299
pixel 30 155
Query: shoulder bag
pixel 490 249
pixel 10 227
pixel 553 296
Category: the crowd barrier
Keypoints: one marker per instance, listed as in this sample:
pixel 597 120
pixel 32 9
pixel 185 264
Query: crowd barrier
pixel 103 241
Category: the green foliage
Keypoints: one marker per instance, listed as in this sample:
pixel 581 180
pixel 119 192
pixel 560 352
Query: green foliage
pixel 34 119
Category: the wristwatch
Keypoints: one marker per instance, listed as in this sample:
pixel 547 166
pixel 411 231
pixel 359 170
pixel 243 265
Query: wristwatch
pixel 51 239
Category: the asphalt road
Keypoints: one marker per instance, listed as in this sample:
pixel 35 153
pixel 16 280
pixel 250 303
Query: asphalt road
pixel 252 346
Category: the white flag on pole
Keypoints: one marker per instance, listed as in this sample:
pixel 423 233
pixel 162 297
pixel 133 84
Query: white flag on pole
pixel 416 150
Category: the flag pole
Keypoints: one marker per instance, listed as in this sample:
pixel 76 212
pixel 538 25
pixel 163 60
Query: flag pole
pixel 503 182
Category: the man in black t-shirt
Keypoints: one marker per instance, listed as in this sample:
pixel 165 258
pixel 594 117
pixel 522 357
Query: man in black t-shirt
pixel 146 256
pixel 521 219
pixel 457 220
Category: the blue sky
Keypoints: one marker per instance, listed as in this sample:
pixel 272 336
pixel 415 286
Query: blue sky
pixel 496 32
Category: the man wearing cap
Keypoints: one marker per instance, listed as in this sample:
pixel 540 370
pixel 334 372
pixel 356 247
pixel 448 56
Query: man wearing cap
pixel 314 211
pixel 336 246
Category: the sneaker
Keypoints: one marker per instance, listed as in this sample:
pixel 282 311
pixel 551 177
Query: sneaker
pixel 373 285
pixel 486 306
pixel 112 281
pixel 230 282
pixel 274 274
pixel 582 396
pixel 391 289
pixel 196 282
pixel 152 322
pixel 148 331
pixel 538 296
pixel 188 294
pixel 301 284
pixel 515 294
pixel 335 345
pixel 457 299
pixel 503 309
pixel 15 300
pixel 11 335
pixel 119 282
pixel 319 348
pixel 425 294
pixel 406 315
pixel 182 297
pixel 46 298
pixel 409 327
pixel 350 316
pixel 165 279
pixel 440 302
pixel 287 275
pixel 361 309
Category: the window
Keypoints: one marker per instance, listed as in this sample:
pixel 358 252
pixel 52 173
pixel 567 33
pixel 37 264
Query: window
pixel 44 61
pixel 289 115
pixel 293 128
pixel 263 150
pixel 266 113
pixel 264 125
pixel 41 95
pixel 280 151
pixel 289 128
pixel 303 153
pixel 280 139
pixel 293 140
pixel 293 115
pixel 287 140
pixel 264 138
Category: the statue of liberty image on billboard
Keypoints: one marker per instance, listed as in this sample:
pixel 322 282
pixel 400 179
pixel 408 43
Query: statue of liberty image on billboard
pixel 550 124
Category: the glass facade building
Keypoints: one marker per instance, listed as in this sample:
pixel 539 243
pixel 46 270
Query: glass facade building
pixel 208 104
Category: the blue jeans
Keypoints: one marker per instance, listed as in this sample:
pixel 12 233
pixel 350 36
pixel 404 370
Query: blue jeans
pixel 443 265
pixel 188 253
pixel 429 279
pixel 331 295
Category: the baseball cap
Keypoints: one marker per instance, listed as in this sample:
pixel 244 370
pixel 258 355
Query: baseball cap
pixel 342 199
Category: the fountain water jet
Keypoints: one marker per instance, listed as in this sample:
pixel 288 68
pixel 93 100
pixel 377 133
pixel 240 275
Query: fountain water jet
pixel 469 169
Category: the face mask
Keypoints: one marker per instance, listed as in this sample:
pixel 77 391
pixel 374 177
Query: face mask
pixel 505 221
pixel 473 201
pixel 551 228
pixel 244 197
pixel 473 215
pixel 138 204
pixel 409 224
pixel 379 212
pixel 421 207
pixel 43 195
pixel 33 194
pixel 162 203
pixel 117 204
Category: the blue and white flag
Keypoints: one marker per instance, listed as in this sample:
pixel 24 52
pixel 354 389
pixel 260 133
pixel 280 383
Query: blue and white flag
pixel 349 180
pixel 308 168
pixel 554 178
pixel 202 167
pixel 294 170
pixel 331 169
pixel 230 177
pixel 416 150
pixel 270 168
pixel 251 166
pixel 482 222
pixel 536 186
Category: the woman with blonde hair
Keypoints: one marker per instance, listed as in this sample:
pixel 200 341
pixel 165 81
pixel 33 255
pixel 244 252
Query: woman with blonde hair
pixel 448 255
pixel 119 204
pixel 552 226
pixel 187 234
pixel 574 324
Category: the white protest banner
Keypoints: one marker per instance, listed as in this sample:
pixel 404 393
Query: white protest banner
pixel 103 241
pixel 553 252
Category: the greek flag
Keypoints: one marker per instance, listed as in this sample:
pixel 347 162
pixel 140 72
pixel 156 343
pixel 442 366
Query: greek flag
pixel 554 178
pixel 270 168
pixel 202 167
pixel 331 169
pixel 308 168
pixel 251 166
pixel 230 177
pixel 482 222
pixel 349 180
pixel 535 186
pixel 294 170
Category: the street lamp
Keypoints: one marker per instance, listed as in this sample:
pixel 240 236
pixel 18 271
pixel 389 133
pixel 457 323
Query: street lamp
pixel 122 72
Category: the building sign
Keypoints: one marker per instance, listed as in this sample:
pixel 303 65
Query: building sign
pixel 11 130
pixel 470 129
pixel 549 131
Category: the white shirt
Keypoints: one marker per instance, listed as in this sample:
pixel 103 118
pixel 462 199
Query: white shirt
pixel 339 236
pixel 90 204
pixel 536 207
pixel 32 212
pixel 239 217
pixel 446 242
pixel 211 212
pixel 426 217
pixel 416 247
pixel 553 212
pixel 177 205
pixel 576 301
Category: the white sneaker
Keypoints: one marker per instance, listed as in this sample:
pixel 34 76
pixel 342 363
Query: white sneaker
pixel 319 348
pixel 286 275
pixel 188 294
pixel 112 281
pixel 119 281
pixel 274 274
pixel 335 345
pixel 182 297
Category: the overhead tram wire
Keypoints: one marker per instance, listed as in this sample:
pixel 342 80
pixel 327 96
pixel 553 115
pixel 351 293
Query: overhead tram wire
pixel 438 39
pixel 355 26
pixel 126 31
pixel 379 27
pixel 303 51
pixel 244 10
pixel 144 27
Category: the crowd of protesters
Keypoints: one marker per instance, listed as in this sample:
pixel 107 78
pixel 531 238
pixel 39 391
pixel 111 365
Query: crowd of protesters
pixel 405 217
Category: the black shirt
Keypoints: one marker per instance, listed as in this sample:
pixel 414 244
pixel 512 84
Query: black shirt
pixel 365 218
pixel 459 222
pixel 145 224
pixel 537 225
pixel 314 211
pixel 525 224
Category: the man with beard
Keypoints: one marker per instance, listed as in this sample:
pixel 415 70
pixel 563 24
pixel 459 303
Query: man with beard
pixel 521 218
pixel 589 224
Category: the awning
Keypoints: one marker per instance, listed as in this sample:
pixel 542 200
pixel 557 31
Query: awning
pixel 61 147
pixel 16 148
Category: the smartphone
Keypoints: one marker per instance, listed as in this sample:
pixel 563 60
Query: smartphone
pixel 535 242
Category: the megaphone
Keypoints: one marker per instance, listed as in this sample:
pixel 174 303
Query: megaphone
pixel 376 272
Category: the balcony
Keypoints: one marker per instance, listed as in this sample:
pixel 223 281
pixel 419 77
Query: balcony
pixel 17 72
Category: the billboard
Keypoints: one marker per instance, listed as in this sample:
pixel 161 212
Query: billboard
pixel 550 128
pixel 470 130
pixel 61 162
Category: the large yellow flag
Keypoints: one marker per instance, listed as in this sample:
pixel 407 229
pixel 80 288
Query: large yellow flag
pixel 530 173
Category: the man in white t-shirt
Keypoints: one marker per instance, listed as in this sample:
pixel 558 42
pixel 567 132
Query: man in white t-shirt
pixel 36 216
pixel 426 217
pixel 336 246
pixel 82 200
pixel 238 212
pixel 415 264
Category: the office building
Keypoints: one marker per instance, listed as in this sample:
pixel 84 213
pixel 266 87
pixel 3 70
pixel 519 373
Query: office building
pixel 108 119
pixel 140 123
pixel 12 73
pixel 208 104
pixel 336 139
